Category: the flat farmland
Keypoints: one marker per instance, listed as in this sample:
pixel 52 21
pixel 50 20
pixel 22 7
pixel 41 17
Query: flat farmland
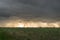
pixel 29 33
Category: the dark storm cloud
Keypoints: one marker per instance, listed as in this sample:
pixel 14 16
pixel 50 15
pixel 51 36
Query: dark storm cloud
pixel 30 8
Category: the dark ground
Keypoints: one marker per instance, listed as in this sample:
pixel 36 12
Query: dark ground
pixel 29 33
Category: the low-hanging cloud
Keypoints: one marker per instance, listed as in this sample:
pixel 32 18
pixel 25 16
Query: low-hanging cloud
pixel 30 9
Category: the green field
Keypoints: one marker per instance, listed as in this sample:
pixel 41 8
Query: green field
pixel 29 33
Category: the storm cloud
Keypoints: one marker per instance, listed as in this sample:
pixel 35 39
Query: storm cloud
pixel 30 9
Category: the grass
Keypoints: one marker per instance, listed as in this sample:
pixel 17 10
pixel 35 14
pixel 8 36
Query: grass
pixel 29 33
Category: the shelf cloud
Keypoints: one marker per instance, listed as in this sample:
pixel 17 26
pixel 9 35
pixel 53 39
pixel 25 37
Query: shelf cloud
pixel 27 9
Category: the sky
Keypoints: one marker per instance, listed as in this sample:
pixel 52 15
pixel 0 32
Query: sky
pixel 27 9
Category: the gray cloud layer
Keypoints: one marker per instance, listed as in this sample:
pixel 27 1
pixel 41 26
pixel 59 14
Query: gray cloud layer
pixel 30 8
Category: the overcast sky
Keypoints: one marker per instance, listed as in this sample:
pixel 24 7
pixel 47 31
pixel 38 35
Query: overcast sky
pixel 30 8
